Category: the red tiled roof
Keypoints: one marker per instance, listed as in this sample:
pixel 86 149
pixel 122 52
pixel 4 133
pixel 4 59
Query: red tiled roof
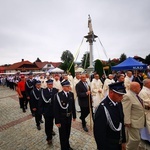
pixel 2 68
pixel 55 64
pixel 42 64
pixel 18 65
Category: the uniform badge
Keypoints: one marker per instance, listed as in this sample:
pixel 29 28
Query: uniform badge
pixel 110 103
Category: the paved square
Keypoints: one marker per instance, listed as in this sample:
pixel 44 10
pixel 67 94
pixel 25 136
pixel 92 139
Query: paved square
pixel 18 130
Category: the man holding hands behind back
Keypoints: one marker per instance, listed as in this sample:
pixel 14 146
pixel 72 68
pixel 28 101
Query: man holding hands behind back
pixel 64 111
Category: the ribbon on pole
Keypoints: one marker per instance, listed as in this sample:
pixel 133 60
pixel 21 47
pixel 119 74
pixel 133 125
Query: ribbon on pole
pixel 76 55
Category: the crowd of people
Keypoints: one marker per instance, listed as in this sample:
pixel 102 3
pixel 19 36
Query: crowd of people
pixel 119 105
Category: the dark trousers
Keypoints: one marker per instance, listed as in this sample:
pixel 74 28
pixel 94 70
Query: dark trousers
pixel 84 113
pixel 30 105
pixel 64 133
pixel 11 85
pixel 48 126
pixel 20 102
pixel 38 117
pixel 23 100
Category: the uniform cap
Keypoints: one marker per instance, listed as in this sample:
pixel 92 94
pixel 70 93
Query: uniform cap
pixel 50 81
pixel 117 87
pixel 65 83
pixel 38 82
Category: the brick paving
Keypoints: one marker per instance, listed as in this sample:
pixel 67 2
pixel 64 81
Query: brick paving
pixel 18 130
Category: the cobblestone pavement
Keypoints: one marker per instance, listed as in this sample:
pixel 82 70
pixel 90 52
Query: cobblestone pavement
pixel 18 130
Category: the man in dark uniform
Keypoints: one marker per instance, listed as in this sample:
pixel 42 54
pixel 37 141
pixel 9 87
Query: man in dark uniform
pixel 109 130
pixel 64 110
pixel 84 98
pixel 138 77
pixel 46 108
pixel 35 96
pixel 29 86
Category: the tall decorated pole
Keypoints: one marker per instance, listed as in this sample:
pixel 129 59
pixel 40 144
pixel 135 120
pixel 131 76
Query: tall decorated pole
pixel 90 38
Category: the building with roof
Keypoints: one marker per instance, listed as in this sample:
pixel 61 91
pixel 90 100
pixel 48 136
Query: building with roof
pixel 26 66
pixel 23 66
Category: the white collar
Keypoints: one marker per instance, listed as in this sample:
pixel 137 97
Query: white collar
pixel 50 89
pixel 114 103
pixel 66 93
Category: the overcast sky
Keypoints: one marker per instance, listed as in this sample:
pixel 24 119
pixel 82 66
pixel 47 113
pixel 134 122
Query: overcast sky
pixel 45 28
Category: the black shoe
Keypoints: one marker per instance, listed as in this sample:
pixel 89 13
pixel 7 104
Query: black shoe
pixel 53 133
pixel 24 110
pixel 39 127
pixel 41 121
pixel 85 129
pixel 49 142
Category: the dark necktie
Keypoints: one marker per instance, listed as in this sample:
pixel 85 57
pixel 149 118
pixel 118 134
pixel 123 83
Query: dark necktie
pixel 140 100
pixel 67 94
pixel 85 84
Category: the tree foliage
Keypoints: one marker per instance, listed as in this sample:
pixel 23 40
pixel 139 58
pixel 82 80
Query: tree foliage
pixel 67 56
pixel 99 67
pixel 67 59
pixel 85 60
pixel 72 70
pixel 122 57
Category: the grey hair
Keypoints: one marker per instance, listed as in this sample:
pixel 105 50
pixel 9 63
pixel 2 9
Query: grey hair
pixel 145 81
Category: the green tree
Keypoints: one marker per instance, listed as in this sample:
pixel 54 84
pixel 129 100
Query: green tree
pixel 99 67
pixel 147 59
pixel 122 57
pixel 64 66
pixel 67 56
pixel 72 70
pixel 85 60
pixel 67 62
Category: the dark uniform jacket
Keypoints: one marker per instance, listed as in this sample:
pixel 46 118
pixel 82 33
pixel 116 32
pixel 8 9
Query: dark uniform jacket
pixel 35 96
pixel 59 111
pixel 138 79
pixel 83 98
pixel 29 86
pixel 46 107
pixel 103 134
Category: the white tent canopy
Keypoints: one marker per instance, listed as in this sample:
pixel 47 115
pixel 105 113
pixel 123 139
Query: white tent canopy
pixel 56 70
